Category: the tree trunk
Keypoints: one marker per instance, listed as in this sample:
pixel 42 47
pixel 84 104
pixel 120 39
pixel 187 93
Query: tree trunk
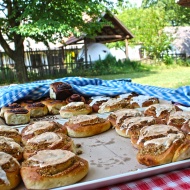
pixel 20 67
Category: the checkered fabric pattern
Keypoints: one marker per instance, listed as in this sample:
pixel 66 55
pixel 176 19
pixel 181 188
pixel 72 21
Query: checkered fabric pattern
pixel 92 87
pixel 176 180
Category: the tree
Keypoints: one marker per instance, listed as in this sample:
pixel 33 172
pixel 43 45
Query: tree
pixel 45 20
pixel 147 27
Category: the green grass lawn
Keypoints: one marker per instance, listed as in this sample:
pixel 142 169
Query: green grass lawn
pixel 162 77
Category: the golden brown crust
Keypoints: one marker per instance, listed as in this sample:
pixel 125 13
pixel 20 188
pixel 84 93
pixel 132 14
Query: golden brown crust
pixel 40 127
pixel 53 168
pixel 143 101
pixel 53 105
pixel 9 107
pixel 74 109
pixel 10 172
pixel 9 146
pixel 75 98
pixel 86 125
pixel 186 127
pixel 48 141
pixel 10 132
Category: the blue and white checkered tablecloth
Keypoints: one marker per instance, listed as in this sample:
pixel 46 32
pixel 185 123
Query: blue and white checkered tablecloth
pixel 92 87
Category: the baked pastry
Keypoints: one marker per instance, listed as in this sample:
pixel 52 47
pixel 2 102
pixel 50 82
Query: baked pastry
pixel 24 103
pixel 53 105
pixel 7 131
pixel 17 116
pixel 127 96
pixel 86 125
pixel 158 144
pixel 178 118
pixel 37 109
pixel 9 107
pixel 48 141
pixel 160 111
pixel 75 108
pixel 75 98
pixel 113 104
pixel 10 172
pixel 53 168
pixel 9 146
pixel 40 127
pixel 132 125
pixel 117 117
pixel 60 90
pixel 143 101
pixel 186 128
pixel 96 101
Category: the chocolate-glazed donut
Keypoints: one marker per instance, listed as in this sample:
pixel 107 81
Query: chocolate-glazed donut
pixel 75 98
pixel 60 90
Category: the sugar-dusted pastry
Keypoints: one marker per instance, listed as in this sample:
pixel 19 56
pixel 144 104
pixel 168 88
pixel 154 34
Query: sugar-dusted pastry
pixel 37 109
pixel 7 131
pixel 96 101
pixel 48 141
pixel 17 116
pixel 118 116
pixel 9 146
pixel 132 125
pixel 113 104
pixel 178 118
pixel 75 108
pixel 53 105
pixel 86 125
pixel 158 144
pixel 53 168
pixel 60 90
pixel 10 172
pixel 160 111
pixel 9 107
pixel 40 127
pixel 143 101
pixel 75 98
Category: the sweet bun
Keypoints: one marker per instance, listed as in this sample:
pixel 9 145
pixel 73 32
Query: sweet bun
pixel 127 96
pixel 40 127
pixel 158 144
pixel 37 109
pixel 10 132
pixel 48 141
pixel 86 125
pixel 160 111
pixel 186 128
pixel 10 172
pixel 9 107
pixel 60 90
pixel 96 101
pixel 75 108
pixel 75 98
pixel 178 118
pixel 26 102
pixel 117 117
pixel 17 116
pixel 113 104
pixel 132 125
pixel 143 101
pixel 53 105
pixel 53 168
pixel 9 146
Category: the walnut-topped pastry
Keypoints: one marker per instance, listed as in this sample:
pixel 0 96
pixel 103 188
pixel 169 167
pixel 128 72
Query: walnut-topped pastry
pixel 86 125
pixel 10 172
pixel 117 117
pixel 75 98
pixel 60 90
pixel 40 127
pixel 158 144
pixel 75 108
pixel 53 168
pixel 48 141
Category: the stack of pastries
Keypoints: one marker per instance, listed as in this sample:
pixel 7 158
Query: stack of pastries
pixel 43 155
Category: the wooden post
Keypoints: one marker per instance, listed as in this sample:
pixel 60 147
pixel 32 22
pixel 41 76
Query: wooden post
pixel 85 51
pixel 126 49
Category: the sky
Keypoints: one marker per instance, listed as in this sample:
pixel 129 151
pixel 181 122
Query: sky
pixel 137 2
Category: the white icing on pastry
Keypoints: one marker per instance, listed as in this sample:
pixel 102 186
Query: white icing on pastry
pixel 140 99
pixel 73 105
pixel 98 99
pixel 82 118
pixel 7 128
pixel 11 143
